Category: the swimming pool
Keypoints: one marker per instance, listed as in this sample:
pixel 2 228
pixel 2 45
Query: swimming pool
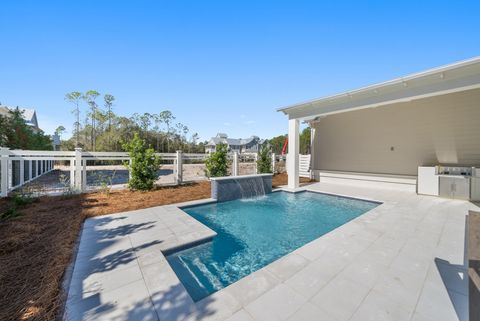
pixel 252 233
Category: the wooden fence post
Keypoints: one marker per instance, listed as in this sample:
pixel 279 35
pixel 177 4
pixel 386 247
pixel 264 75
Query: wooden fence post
pixel 179 167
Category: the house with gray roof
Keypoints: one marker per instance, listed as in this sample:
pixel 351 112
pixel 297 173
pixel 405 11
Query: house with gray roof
pixel 239 145
pixel 29 115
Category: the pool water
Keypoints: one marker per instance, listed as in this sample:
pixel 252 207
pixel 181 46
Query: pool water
pixel 252 233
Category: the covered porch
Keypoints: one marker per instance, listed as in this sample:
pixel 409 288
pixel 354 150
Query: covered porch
pixel 380 134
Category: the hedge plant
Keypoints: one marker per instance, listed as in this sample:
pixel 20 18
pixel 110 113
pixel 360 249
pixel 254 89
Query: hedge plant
pixel 217 162
pixel 144 164
pixel 264 161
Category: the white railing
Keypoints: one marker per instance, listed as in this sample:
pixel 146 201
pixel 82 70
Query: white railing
pixel 19 167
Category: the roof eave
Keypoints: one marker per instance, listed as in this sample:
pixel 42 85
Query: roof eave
pixel 377 87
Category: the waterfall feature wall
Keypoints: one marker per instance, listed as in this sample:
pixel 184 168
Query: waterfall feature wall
pixel 234 187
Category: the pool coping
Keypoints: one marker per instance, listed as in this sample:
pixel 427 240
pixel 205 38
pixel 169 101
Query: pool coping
pixel 246 294
pixel 226 178
pixel 225 295
pixel 298 191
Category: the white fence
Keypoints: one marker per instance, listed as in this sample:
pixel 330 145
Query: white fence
pixel 19 167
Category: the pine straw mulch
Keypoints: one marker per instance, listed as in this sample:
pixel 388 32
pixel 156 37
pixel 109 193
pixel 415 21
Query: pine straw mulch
pixel 282 179
pixel 36 247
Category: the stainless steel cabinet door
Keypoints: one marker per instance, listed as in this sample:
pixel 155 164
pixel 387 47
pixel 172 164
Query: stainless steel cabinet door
pixel 462 188
pixel 455 187
pixel 446 187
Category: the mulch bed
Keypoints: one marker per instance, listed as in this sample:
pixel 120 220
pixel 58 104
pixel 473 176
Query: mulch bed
pixel 282 179
pixel 36 247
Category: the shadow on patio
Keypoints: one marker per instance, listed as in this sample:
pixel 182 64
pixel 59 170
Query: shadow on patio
pixel 112 279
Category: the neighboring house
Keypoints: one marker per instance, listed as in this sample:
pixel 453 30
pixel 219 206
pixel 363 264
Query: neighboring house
pixel 29 115
pixel 384 132
pixel 56 141
pixel 240 145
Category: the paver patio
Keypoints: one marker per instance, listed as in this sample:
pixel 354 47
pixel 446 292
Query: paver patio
pixel 403 260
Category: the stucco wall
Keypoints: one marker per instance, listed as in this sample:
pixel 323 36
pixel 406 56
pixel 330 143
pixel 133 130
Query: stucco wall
pixel 439 130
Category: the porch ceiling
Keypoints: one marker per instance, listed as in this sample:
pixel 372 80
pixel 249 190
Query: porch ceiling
pixel 460 76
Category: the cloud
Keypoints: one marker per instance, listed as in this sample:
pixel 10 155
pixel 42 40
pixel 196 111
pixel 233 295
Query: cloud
pixel 249 122
pixel 227 124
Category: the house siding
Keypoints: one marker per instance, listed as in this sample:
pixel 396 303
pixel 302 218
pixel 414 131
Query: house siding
pixel 439 130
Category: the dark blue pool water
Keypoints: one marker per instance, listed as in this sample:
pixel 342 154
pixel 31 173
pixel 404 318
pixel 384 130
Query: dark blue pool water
pixel 255 232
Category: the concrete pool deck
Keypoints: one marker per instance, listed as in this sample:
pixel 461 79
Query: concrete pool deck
pixel 403 260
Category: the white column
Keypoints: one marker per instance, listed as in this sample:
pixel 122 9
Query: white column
pixel 274 160
pixel 235 164
pixel 41 167
pixel 78 169
pixel 30 165
pixel 293 153
pixel 312 149
pixel 179 168
pixel 4 179
pixel 256 164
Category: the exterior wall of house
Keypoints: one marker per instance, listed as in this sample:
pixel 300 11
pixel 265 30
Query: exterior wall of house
pixel 397 138
pixel 251 147
pixel 209 149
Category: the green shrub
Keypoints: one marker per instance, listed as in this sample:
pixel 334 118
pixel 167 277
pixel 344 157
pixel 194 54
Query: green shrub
pixel 17 201
pixel 217 162
pixel 143 166
pixel 9 213
pixel 21 200
pixel 264 161
pixel 105 182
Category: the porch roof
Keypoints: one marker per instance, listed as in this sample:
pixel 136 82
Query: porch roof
pixel 459 76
